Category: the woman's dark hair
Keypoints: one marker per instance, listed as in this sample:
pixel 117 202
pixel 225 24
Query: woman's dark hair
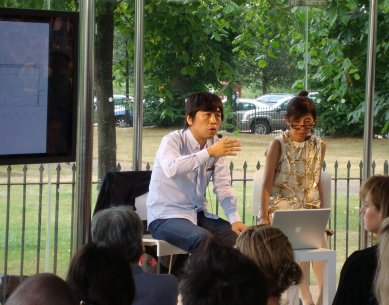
pixel 101 276
pixel 299 106
pixel 202 101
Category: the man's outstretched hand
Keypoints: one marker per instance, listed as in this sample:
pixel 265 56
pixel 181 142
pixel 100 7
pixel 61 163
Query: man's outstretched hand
pixel 225 147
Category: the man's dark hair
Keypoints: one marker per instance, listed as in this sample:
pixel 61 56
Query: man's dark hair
pixel 217 274
pixel 101 276
pixel 202 101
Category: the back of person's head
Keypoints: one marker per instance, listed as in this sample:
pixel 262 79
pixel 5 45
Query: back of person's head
pixel 202 101
pixel 119 227
pixel 217 274
pixel 381 282
pixel 299 106
pixel 101 276
pixel 271 250
pixel 377 187
pixel 42 289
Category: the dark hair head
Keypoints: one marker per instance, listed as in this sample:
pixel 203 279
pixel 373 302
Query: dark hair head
pixel 202 101
pixel 377 187
pixel 119 227
pixel 271 250
pixel 299 106
pixel 101 276
pixel 220 275
pixel 43 289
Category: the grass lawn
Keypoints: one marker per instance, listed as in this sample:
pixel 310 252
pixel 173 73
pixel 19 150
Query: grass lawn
pixel 23 256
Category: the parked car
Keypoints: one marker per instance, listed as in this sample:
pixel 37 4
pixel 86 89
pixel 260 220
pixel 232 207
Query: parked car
pixel 123 110
pixel 240 109
pixel 273 98
pixel 267 117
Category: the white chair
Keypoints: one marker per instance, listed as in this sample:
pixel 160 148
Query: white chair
pixel 257 191
pixel 325 255
pixel 163 247
pixel 325 187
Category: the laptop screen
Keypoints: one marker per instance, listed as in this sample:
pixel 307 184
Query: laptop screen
pixel 304 228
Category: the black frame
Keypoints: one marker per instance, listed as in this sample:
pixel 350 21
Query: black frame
pixel 45 16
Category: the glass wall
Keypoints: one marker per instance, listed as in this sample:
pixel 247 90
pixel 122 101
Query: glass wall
pixel 255 55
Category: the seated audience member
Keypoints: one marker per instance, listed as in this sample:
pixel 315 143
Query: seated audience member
pixel 381 282
pixel 186 160
pixel 42 289
pixel 271 250
pixel 217 274
pixel 121 227
pixel 101 276
pixel 357 275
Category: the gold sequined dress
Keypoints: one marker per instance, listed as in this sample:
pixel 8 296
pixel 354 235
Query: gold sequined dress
pixel 296 181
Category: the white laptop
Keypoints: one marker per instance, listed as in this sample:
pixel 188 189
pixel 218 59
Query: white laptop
pixel 304 228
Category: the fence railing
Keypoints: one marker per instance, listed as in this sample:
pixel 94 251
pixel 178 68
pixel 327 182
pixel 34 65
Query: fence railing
pixel 36 210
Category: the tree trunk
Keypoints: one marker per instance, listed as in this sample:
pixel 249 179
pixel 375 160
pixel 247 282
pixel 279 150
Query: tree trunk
pixel 104 89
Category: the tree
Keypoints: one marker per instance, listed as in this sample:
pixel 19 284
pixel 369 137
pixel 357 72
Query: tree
pixel 267 32
pixel 188 47
pixel 103 87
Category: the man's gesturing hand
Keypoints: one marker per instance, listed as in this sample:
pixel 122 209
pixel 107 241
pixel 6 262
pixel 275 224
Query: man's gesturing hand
pixel 225 147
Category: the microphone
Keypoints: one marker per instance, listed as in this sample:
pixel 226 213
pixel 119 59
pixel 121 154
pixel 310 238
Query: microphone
pixel 219 135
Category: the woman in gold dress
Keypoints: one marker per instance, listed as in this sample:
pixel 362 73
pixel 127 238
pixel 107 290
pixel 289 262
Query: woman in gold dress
pixel 292 174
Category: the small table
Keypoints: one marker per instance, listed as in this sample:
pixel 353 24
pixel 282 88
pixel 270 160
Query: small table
pixel 329 273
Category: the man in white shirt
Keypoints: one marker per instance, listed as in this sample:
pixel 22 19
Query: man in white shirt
pixel 177 207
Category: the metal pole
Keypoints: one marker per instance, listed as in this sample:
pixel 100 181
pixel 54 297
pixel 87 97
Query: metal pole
pixel 369 96
pixel 138 103
pixel 306 47
pixel 82 209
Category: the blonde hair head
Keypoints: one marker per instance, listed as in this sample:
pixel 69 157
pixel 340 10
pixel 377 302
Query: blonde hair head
pixel 271 250
pixel 377 187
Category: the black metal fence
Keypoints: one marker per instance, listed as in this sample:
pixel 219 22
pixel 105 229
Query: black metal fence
pixel 37 202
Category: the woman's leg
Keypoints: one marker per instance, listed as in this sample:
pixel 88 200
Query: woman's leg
pixel 318 269
pixel 305 293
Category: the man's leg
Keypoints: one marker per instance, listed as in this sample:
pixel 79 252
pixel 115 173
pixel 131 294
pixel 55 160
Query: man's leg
pixel 220 229
pixel 179 232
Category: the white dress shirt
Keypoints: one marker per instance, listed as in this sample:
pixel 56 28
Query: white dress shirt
pixel 180 176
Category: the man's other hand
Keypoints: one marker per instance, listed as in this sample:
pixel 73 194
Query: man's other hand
pixel 238 227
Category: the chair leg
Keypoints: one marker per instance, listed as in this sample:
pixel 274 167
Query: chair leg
pixel 170 263
pixel 158 265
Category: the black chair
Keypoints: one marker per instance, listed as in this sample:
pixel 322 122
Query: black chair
pixel 131 188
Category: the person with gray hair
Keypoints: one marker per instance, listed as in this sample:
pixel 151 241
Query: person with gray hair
pixel 120 227
pixel 42 289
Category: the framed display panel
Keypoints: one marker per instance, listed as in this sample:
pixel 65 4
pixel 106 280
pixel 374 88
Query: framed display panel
pixel 38 86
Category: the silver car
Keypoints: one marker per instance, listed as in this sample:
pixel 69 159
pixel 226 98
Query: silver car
pixel 267 117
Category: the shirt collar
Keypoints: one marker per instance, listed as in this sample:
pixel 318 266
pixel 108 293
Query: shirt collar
pixel 192 141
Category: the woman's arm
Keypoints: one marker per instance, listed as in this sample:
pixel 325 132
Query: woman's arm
pixel 272 157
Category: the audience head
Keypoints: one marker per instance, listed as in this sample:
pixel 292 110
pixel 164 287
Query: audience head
pixel 374 194
pixel 271 250
pixel 299 106
pixel 381 282
pixel 220 275
pixel 202 101
pixel 101 276
pixel 42 289
pixel 119 227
